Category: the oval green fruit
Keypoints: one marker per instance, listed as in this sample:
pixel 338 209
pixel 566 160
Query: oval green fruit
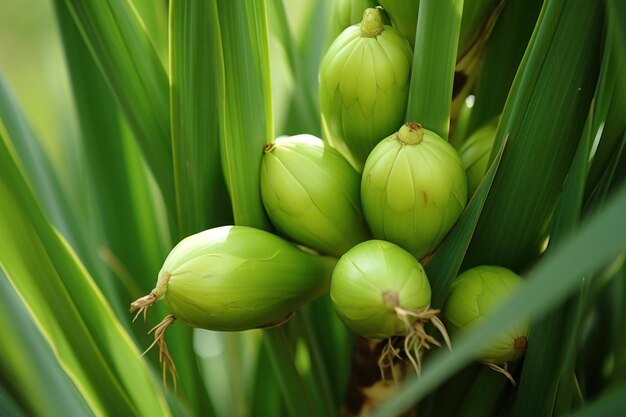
pixel 474 295
pixel 413 189
pixel 312 194
pixel 371 282
pixel 364 84
pixel 235 278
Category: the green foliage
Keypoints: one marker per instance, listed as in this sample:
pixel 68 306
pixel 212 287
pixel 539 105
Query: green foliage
pixel 170 107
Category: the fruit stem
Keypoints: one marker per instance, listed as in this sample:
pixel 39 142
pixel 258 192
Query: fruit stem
pixel 411 133
pixel 269 147
pixel 372 24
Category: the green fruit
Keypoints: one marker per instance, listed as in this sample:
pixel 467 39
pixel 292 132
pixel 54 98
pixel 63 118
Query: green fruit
pixel 475 154
pixel 234 278
pixel 474 295
pixel 312 194
pixel 413 189
pixel 364 84
pixel 372 283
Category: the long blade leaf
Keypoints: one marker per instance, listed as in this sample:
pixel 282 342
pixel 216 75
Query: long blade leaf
pixel 246 116
pixel 543 118
pixel 129 62
pixel 29 367
pixel 68 307
pixel 196 73
pixel 434 60
pixel 549 283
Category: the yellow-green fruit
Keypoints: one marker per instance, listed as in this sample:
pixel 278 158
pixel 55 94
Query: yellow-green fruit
pixel 364 84
pixel 371 282
pixel 474 295
pixel 475 155
pixel 413 189
pixel 234 278
pixel 312 194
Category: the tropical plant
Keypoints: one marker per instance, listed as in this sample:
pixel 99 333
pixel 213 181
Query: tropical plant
pixel 171 106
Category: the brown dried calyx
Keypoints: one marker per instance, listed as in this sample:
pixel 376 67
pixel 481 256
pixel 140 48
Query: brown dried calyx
pixel 520 343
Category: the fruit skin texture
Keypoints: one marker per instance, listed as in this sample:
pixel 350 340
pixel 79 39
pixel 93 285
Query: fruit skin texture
pixel 475 294
pixel 369 279
pixel 413 193
pixel 475 154
pixel 364 84
pixel 312 194
pixel 233 278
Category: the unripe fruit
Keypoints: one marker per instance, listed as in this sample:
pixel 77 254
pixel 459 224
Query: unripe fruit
pixel 475 154
pixel 364 84
pixel 413 189
pixel 371 281
pixel 474 295
pixel 380 291
pixel 234 278
pixel 312 194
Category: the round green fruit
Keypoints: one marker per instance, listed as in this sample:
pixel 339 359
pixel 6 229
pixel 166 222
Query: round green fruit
pixel 474 295
pixel 413 189
pixel 364 83
pixel 375 281
pixel 312 194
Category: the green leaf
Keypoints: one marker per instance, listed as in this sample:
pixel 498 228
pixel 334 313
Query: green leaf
pixel 544 118
pixel 446 261
pixel 335 344
pixel 618 376
pixel 245 106
pixel 303 107
pixel 434 59
pixel 123 50
pixel 598 241
pixel 614 125
pixel 550 358
pixel 46 184
pixel 446 400
pixel 35 163
pixel 8 407
pixel 476 15
pixel 318 365
pixel 29 366
pixel 282 358
pixel 616 11
pixel 485 396
pixel 120 192
pixel 116 184
pixel 67 306
pixel 266 392
pixel 196 73
pixel 153 15
pixel 610 404
pixel 503 54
